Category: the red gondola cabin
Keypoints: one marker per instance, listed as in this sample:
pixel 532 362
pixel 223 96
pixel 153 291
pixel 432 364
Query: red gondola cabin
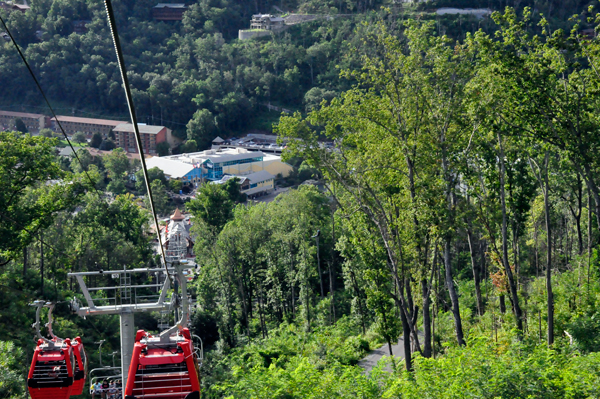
pixel 81 365
pixel 51 372
pixel 166 368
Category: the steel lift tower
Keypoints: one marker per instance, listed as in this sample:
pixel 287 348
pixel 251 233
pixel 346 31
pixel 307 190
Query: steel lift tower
pixel 130 304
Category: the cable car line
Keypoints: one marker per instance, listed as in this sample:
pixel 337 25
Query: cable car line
pixel 115 36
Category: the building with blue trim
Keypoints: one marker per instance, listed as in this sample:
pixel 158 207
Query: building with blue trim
pixel 212 165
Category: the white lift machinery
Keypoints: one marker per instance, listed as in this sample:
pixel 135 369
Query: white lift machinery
pixel 130 304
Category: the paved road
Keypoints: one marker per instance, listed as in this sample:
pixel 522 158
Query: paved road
pixel 270 197
pixel 374 356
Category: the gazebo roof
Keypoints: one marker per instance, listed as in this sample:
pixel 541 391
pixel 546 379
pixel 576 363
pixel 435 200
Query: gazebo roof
pixel 177 215
pixel 218 140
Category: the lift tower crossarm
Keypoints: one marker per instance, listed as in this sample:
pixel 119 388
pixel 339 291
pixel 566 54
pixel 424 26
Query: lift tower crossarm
pixel 126 311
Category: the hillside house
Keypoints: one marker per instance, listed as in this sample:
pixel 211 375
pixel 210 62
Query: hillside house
pixel 168 11
pixel 9 6
pixel 266 22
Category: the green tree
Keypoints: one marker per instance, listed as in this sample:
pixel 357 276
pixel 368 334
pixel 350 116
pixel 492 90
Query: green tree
pixel 117 164
pixel 189 146
pixel 11 378
pixel 48 133
pixel 397 133
pixel 159 197
pixel 163 148
pixel 214 203
pixel 20 126
pixel 96 140
pixel 79 137
pixel 107 145
pixel 154 173
pixel 202 128
pixel 116 186
pixel 175 185
pixel 32 190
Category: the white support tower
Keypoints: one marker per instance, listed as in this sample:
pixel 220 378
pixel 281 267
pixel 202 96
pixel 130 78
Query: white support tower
pixel 127 304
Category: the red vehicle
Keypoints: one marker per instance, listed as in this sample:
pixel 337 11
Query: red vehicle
pixel 163 368
pixel 51 372
pixel 81 367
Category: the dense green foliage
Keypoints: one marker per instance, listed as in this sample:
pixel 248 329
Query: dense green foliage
pixel 194 76
pixel 460 208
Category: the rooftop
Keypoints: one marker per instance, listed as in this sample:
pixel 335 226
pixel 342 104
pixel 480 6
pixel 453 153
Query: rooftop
pixel 215 156
pixel 66 152
pixel 170 5
pixel 91 121
pixel 258 177
pixel 270 16
pixel 21 114
pixel 173 168
pixel 148 129
pixel 177 215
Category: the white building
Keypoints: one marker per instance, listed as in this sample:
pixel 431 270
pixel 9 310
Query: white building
pixel 212 165
pixel 178 244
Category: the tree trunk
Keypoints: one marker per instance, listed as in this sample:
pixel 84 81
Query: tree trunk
pixel 332 268
pixel 319 270
pixel 293 287
pixel 589 237
pixel 550 295
pixel 588 176
pixel 331 292
pixel 453 294
pixel 425 289
pixel 578 216
pixel 406 338
pixel 475 273
pixel 24 262
pixel 511 282
pixel 537 263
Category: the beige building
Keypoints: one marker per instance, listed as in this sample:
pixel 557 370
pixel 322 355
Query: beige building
pixel 271 163
pixel 33 122
pixel 89 126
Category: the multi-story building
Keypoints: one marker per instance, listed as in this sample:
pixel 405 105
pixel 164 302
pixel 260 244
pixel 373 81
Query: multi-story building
pixel 266 22
pixel 151 136
pixel 33 122
pixel 212 165
pixel 89 126
pixel 168 11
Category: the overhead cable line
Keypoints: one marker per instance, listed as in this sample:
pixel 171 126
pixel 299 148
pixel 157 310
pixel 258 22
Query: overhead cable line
pixel 115 36
pixel 37 83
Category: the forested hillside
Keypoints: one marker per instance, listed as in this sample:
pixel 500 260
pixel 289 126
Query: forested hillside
pixel 194 76
pixel 459 205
